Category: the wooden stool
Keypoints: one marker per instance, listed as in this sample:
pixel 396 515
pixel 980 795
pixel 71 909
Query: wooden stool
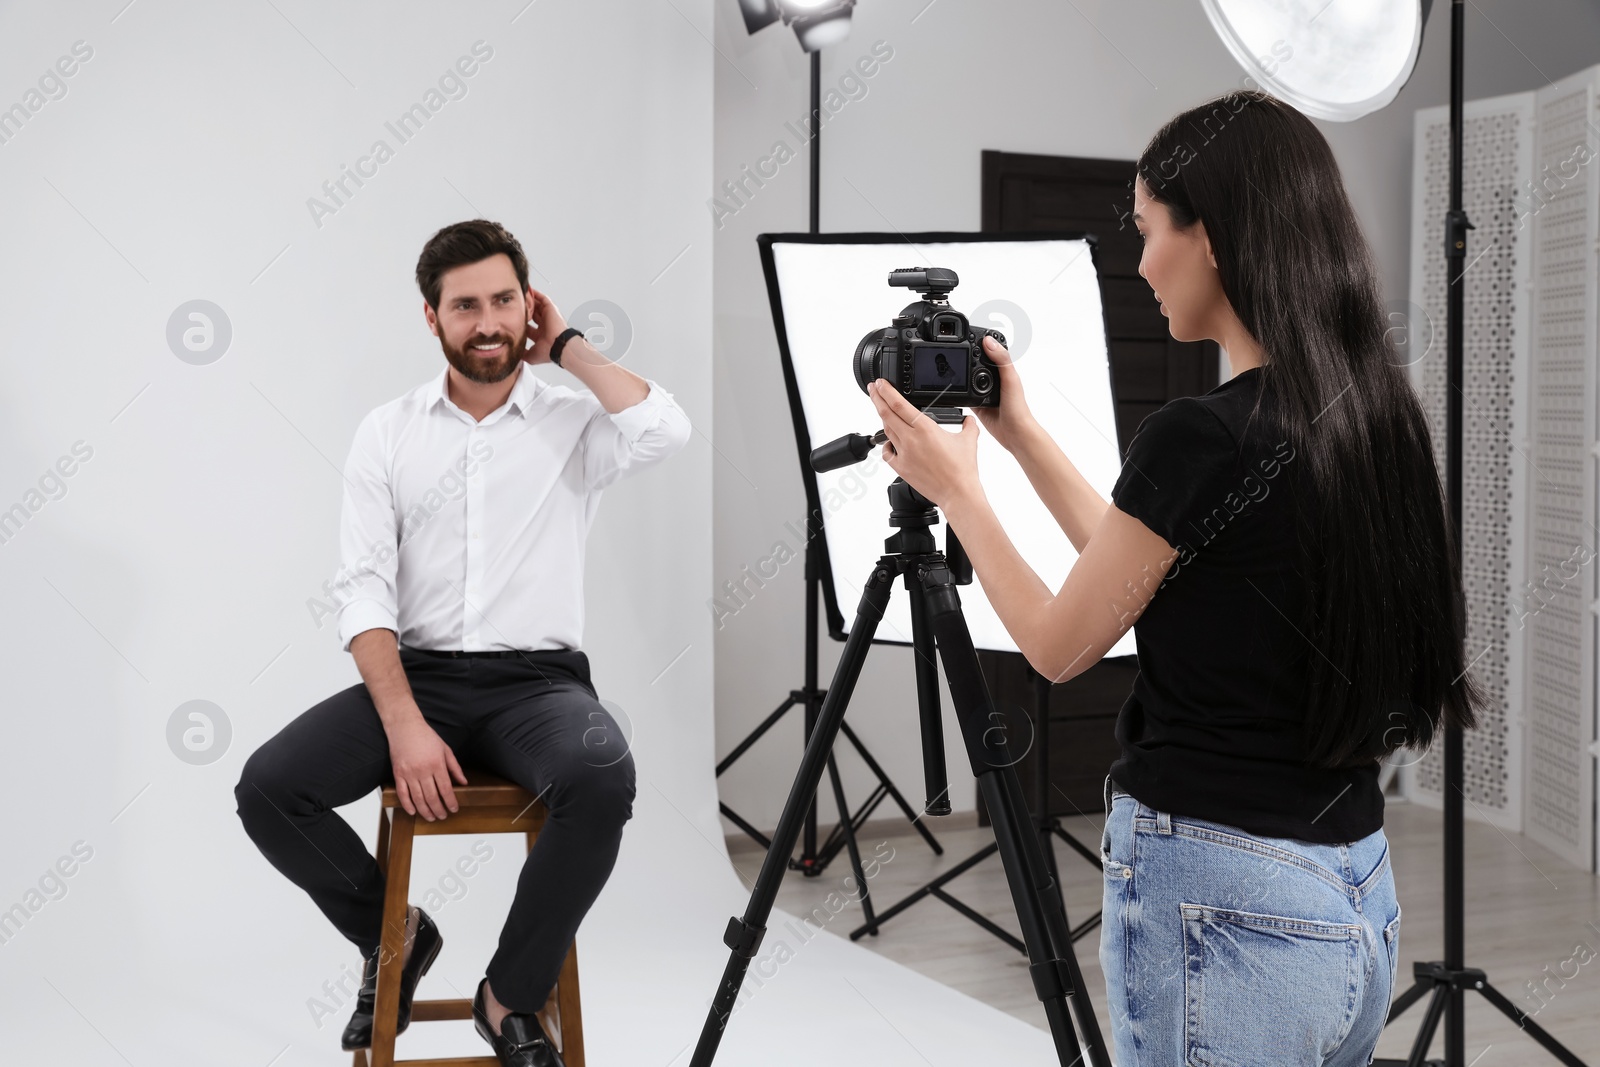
pixel 490 805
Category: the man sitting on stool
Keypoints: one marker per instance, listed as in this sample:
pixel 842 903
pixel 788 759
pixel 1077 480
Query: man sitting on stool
pixel 466 506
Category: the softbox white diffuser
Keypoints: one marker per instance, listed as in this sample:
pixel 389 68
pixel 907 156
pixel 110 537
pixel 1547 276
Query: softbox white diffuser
pixel 1041 291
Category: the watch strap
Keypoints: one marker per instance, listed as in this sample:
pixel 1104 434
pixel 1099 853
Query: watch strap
pixel 566 335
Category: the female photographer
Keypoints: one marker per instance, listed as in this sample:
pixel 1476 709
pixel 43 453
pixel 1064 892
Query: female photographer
pixel 1282 548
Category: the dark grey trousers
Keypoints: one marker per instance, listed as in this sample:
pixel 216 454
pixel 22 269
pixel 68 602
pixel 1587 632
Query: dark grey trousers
pixel 532 719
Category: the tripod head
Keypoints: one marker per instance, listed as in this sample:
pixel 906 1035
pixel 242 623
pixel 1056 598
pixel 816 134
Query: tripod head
pixel 909 511
pixel 912 514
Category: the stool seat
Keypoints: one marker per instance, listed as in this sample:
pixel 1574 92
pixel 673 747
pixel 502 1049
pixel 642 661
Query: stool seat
pixel 487 804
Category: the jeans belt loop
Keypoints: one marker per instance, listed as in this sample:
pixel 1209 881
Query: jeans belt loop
pixel 1163 822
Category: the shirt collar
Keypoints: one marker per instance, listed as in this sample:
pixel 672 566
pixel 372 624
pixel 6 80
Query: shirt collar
pixel 528 387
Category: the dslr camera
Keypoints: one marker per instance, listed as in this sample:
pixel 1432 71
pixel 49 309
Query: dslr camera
pixel 931 354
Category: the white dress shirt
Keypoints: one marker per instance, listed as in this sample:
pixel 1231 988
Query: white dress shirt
pixel 459 534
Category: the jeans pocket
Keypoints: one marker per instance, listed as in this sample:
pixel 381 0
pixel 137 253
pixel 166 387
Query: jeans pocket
pixel 1113 869
pixel 1266 990
pixel 1391 941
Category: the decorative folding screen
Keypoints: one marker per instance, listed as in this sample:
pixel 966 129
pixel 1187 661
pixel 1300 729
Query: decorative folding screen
pixel 1528 514
pixel 1561 212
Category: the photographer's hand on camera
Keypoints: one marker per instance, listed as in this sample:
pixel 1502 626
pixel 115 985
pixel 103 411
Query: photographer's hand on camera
pixel 940 465
pixel 1011 420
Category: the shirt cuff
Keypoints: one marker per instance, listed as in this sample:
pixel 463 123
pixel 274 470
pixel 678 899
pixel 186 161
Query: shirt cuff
pixel 636 420
pixel 361 615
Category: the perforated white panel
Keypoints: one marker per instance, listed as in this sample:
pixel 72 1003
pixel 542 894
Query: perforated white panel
pixel 1496 147
pixel 1560 209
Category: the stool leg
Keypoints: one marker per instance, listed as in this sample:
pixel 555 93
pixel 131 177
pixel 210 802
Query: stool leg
pixel 569 1020
pixel 571 1017
pixel 382 854
pixel 362 1057
pixel 397 879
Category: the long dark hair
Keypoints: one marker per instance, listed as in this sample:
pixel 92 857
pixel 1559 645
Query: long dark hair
pixel 1385 612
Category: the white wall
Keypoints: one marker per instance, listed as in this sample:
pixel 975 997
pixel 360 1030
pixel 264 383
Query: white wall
pixel 179 562
pixel 1090 78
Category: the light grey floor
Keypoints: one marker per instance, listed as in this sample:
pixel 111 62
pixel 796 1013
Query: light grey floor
pixel 1530 917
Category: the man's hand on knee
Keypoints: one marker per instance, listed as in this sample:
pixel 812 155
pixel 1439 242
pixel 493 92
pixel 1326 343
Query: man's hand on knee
pixel 423 767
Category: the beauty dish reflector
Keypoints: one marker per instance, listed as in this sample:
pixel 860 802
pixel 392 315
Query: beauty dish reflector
pixel 1332 59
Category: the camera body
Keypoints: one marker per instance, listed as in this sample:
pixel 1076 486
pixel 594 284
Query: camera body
pixel 931 354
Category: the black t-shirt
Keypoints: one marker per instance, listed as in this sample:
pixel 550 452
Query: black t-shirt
pixel 1213 727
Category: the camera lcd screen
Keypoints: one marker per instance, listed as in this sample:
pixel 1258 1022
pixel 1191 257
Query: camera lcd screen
pixel 938 367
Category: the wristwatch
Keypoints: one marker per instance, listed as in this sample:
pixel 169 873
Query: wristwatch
pixel 566 335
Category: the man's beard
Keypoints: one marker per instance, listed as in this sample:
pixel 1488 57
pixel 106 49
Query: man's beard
pixel 476 368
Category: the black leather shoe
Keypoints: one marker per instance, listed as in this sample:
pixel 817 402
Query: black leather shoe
pixel 424 947
pixel 521 1041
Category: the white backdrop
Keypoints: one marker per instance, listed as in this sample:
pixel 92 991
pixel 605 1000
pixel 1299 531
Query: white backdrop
pixel 178 485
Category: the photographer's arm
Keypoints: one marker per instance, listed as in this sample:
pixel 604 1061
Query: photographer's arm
pixel 1061 634
pixel 1075 504
pixel 1064 634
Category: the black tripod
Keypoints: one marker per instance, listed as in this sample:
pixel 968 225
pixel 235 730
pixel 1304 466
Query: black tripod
pixel 935 617
pixel 1047 826
pixel 813 860
pixel 1450 979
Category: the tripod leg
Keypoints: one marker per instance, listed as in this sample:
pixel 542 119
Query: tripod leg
pixel 744 934
pixel 1054 968
pixel 1418 990
pixel 850 841
pixel 1533 1029
pixel 1041 767
pixel 1430 1025
pixel 936 783
pixel 932 744
pixel 935 888
pixel 893 791
pixel 755 735
pixel 1004 794
pixel 744 824
pixel 1048 826
pixel 1042 821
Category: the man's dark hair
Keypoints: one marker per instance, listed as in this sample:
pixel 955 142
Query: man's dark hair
pixel 461 243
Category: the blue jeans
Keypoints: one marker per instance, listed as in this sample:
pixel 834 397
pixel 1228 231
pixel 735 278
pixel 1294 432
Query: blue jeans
pixel 1222 949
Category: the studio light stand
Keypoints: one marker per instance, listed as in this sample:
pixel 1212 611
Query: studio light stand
pixel 1046 826
pixel 1322 86
pixel 1446 982
pixel 818 24
pixel 938 627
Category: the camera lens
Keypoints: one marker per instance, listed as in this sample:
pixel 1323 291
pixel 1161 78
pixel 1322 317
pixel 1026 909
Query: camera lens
pixel 868 366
